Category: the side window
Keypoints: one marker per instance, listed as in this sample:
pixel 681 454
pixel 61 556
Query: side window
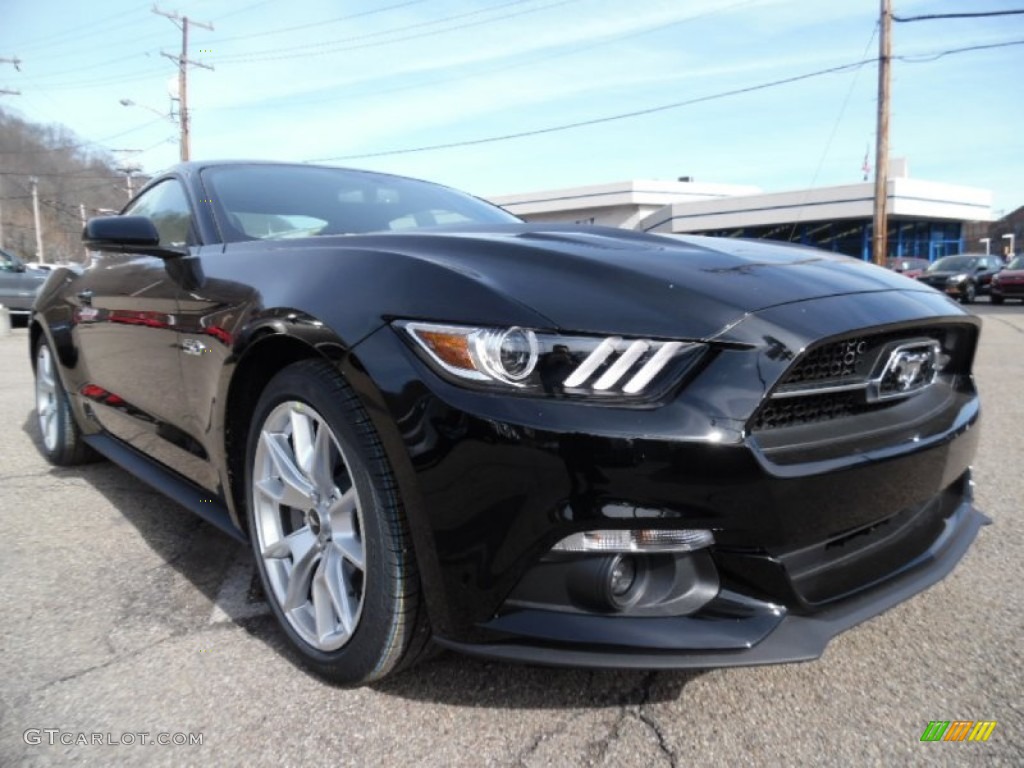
pixel 166 205
pixel 6 263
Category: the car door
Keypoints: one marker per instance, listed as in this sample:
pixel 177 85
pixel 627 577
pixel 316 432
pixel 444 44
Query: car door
pixel 127 331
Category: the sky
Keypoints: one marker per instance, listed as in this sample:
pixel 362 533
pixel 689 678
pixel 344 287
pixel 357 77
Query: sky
pixel 360 83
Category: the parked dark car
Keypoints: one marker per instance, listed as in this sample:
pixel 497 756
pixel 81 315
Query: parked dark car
pixel 545 443
pixel 908 267
pixel 19 284
pixel 1009 283
pixel 964 277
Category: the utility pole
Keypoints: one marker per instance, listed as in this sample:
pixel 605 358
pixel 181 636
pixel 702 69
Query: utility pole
pixel 126 165
pixel 183 63
pixel 128 170
pixel 81 215
pixel 17 66
pixel 39 224
pixel 1 211
pixel 880 218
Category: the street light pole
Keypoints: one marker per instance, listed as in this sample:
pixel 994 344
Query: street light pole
pixel 1010 237
pixel 987 241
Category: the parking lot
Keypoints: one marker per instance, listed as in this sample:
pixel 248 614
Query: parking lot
pixel 124 614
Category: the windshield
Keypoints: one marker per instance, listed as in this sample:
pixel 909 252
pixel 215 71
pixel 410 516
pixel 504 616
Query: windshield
pixel 954 264
pixel 286 201
pixel 1017 263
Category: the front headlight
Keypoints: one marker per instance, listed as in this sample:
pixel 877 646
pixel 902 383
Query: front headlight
pixel 532 362
pixel 957 278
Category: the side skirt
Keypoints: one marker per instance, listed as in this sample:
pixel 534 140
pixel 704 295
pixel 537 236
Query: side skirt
pixel 172 485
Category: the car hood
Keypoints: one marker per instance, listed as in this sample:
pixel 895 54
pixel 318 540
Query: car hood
pixel 943 275
pixel 618 281
pixel 1015 274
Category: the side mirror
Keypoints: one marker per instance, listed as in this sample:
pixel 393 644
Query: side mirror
pixel 18 266
pixel 127 234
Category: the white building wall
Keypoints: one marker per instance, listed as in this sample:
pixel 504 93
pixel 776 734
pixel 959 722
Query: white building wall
pixel 622 204
pixel 906 197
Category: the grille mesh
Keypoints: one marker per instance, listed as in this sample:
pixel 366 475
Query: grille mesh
pixel 791 412
pixel 831 361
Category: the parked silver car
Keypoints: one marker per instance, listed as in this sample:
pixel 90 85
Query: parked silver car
pixel 19 284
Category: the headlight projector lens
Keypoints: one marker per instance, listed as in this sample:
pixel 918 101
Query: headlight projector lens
pixel 509 356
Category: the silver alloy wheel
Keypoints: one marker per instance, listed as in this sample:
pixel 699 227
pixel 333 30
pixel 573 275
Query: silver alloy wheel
pixel 309 531
pixel 46 397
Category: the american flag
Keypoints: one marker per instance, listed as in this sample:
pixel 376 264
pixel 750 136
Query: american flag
pixel 866 167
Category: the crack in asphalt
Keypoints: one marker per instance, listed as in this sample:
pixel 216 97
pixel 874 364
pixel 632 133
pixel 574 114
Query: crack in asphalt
pixel 651 723
pixel 632 704
pixel 103 665
pixel 1006 322
pixel 540 738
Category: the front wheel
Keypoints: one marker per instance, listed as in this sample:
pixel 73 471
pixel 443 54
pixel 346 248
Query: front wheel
pixel 970 294
pixel 996 299
pixel 61 437
pixel 328 529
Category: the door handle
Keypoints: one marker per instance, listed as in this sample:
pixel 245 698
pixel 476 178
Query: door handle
pixel 85 296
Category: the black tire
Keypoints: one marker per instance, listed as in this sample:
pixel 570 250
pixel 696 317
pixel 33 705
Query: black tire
pixel 970 294
pixel 996 299
pixel 60 441
pixel 392 630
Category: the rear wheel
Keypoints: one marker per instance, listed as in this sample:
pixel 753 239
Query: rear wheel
pixel 328 530
pixel 61 438
pixel 996 299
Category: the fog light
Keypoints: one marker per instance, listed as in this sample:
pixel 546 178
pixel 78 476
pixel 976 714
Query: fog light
pixel 643 541
pixel 621 576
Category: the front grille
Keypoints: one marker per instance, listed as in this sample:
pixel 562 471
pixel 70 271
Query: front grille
pixel 842 378
pixel 793 411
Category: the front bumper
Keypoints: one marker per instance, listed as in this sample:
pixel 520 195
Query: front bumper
pixel 1014 290
pixel 767 634
pixel 491 483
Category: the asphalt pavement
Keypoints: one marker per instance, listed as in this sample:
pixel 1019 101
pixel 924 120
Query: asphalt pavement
pixel 126 620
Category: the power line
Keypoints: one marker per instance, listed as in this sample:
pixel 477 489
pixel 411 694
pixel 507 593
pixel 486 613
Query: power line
pixel 347 17
pixel 486 71
pixel 138 54
pixel 650 110
pixel 928 57
pixel 338 46
pixel 80 144
pixel 832 133
pixel 78 85
pixel 977 15
pixel 302 50
pixel 76 32
pixel 607 118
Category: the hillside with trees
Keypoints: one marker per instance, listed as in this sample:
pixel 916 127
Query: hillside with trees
pixel 70 173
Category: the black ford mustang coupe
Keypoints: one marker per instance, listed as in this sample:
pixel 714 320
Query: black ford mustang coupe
pixel 554 444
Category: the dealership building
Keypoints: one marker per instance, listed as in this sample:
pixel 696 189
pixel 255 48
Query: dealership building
pixel 926 219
